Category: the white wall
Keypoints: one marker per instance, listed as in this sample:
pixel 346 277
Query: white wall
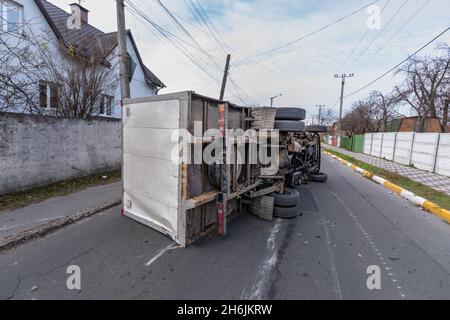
pixel 138 87
pixel 36 151
pixel 425 151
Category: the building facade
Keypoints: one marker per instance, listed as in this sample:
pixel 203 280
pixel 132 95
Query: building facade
pixel 42 17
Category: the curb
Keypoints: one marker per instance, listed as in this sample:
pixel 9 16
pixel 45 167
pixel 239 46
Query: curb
pixel 54 225
pixel 408 195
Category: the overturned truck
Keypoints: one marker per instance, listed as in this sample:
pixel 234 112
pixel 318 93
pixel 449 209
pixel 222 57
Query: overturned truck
pixel 191 162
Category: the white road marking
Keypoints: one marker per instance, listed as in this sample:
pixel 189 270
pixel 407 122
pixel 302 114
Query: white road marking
pixel 332 264
pixel 160 253
pixel 256 291
pixel 372 244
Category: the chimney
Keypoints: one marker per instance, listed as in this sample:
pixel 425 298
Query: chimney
pixel 84 13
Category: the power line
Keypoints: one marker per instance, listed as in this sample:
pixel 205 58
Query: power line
pixel 316 31
pixel 166 34
pixel 381 31
pixel 363 37
pixel 399 64
pixel 212 29
pixel 202 18
pixel 201 15
pixel 395 34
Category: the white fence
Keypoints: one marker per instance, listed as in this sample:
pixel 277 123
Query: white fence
pixel 426 151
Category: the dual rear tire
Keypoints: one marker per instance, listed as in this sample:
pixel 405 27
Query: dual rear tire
pixel 286 205
pixel 289 120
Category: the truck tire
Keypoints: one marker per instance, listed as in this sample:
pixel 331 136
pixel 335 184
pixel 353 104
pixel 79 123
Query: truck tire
pixel 316 128
pixel 290 114
pixel 290 126
pixel 286 212
pixel 318 177
pixel 287 199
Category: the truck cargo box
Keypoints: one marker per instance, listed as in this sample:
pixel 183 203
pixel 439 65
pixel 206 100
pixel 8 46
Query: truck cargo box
pixel 170 196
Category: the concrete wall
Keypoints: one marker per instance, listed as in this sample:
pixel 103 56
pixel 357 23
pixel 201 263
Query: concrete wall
pixel 36 150
pixel 426 151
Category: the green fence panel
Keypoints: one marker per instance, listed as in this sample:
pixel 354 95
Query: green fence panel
pixel 358 143
pixel 346 143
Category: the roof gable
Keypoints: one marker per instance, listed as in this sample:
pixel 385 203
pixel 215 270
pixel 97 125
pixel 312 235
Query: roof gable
pixel 88 38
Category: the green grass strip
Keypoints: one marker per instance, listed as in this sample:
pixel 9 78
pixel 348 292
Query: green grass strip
pixel 39 194
pixel 440 198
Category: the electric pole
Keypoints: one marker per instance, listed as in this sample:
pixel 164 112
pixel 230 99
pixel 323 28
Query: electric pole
pixel 343 77
pixel 273 98
pixel 225 77
pixel 123 55
pixel 320 106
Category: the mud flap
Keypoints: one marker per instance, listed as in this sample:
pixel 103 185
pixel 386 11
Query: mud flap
pixel 262 207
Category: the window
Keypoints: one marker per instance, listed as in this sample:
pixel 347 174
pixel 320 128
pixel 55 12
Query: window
pixel 131 67
pixel 48 95
pixel 11 17
pixel 106 105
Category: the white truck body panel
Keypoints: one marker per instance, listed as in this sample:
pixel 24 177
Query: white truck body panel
pixel 151 179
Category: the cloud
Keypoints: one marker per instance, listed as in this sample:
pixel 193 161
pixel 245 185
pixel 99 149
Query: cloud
pixel 303 72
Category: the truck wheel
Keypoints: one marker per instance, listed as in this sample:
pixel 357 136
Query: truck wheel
pixel 290 114
pixel 286 212
pixel 290 126
pixel 316 128
pixel 318 177
pixel 287 199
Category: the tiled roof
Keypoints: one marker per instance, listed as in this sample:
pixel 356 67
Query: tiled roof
pixel 88 37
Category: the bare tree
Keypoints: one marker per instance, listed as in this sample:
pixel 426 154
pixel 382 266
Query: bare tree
pixel 328 116
pixel 359 119
pixel 78 78
pixel 383 109
pixel 425 77
pixel 444 91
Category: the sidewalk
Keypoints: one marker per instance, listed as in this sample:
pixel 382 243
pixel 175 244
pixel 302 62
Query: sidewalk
pixel 432 180
pixel 20 221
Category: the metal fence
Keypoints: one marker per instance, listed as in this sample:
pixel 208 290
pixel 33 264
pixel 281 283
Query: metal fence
pixel 426 151
pixel 354 143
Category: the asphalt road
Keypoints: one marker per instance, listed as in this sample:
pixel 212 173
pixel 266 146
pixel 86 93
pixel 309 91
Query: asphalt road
pixel 348 224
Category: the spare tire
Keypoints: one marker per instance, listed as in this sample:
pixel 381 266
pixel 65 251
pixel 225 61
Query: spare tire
pixel 286 213
pixel 290 126
pixel 290 114
pixel 316 128
pixel 318 177
pixel 287 199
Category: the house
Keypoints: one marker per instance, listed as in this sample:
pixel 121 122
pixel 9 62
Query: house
pixel 409 124
pixel 43 15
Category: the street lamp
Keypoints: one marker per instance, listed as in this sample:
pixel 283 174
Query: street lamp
pixel 273 98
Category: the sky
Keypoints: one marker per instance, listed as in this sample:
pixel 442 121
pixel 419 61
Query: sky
pixel 303 72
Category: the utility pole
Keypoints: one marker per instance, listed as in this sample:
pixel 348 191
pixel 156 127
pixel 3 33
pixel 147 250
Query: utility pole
pixel 225 77
pixel 320 106
pixel 273 98
pixel 123 55
pixel 343 77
